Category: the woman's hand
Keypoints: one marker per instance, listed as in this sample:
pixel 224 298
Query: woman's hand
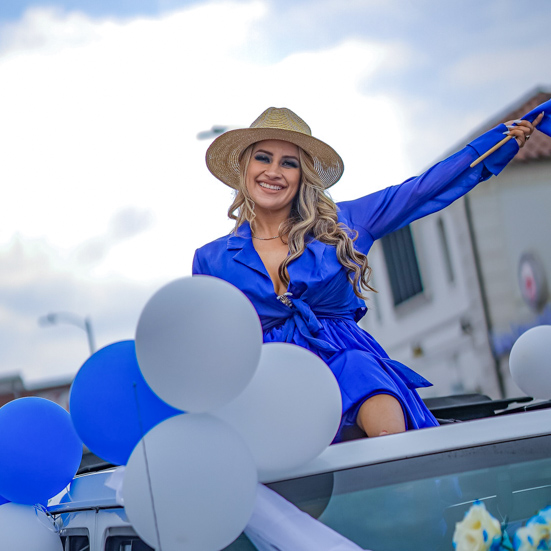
pixel 522 130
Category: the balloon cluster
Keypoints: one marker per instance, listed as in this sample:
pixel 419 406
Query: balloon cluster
pixel 41 453
pixel 199 409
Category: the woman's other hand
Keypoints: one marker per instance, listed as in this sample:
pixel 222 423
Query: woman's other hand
pixel 522 130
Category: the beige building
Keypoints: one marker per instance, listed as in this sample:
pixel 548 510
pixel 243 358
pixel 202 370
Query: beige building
pixel 457 287
pixel 12 387
pixel 511 220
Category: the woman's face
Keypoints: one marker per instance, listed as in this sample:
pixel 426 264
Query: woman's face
pixel 273 176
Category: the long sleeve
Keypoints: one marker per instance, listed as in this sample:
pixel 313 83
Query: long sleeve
pixel 385 211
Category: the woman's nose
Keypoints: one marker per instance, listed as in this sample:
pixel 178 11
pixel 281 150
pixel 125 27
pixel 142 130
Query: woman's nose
pixel 273 170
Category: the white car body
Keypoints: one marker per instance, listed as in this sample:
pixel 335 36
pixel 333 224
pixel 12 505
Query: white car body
pixel 431 474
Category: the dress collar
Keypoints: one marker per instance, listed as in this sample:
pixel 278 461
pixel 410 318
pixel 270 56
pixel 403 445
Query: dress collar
pixel 237 239
pixel 241 241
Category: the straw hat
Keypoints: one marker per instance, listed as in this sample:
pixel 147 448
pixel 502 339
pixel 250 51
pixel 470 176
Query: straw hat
pixel 274 124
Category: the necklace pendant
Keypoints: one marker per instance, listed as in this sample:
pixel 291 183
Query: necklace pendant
pixel 285 299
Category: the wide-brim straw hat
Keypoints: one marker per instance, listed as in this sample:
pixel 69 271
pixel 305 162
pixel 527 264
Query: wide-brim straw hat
pixel 224 153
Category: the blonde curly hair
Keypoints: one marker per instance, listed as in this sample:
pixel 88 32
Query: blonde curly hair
pixel 313 214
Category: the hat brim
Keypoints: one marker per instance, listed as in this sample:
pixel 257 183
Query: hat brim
pixel 225 151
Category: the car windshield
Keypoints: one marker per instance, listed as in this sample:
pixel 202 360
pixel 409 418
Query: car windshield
pixel 414 503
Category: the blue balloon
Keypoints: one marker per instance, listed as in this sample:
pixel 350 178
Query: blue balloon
pixel 40 450
pixel 111 404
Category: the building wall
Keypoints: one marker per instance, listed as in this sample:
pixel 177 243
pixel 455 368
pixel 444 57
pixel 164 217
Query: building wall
pixel 441 333
pixel 13 387
pixel 512 216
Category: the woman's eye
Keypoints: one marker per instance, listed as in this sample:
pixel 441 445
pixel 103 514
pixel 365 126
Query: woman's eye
pixel 262 158
pixel 290 164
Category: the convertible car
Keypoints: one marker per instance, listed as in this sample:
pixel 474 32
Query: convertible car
pixel 398 492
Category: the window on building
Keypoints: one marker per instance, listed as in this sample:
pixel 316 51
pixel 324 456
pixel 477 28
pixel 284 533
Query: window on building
pixel 443 237
pixel 401 264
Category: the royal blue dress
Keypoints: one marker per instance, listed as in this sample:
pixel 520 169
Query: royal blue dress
pixel 322 310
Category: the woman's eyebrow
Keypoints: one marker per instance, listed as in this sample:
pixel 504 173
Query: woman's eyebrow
pixel 270 153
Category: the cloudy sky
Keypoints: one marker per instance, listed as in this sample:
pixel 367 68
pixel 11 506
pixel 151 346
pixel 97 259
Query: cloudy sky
pixel 105 195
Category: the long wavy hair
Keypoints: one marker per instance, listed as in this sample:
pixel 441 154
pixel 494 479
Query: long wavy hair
pixel 313 215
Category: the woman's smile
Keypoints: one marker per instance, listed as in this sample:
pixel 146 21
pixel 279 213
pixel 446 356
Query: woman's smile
pixel 265 185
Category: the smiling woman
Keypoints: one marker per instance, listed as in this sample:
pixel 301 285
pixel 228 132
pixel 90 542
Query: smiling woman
pixel 301 259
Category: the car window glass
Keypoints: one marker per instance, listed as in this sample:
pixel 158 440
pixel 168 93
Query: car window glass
pixel 75 543
pixel 242 543
pixel 414 503
pixel 421 514
pixel 126 543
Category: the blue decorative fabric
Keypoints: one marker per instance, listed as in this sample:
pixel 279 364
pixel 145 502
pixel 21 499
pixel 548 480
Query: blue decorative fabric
pixel 323 311
pixel 545 123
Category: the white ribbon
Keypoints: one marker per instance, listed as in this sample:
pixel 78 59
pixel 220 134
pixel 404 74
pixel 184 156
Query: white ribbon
pixel 277 525
pixel 115 483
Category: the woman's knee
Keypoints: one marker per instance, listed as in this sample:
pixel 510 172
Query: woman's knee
pixel 381 414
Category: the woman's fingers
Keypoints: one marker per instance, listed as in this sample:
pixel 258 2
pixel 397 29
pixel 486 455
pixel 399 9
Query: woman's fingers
pixel 537 120
pixel 521 130
pixel 518 133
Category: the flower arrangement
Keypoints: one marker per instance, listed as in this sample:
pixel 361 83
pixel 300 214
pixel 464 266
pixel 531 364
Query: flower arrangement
pixel 480 531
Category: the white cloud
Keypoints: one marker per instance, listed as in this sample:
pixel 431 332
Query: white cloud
pixel 100 118
pixel 494 67
pixel 36 281
pixel 103 116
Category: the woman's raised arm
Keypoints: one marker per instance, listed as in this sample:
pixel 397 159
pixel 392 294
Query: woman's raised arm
pixel 387 210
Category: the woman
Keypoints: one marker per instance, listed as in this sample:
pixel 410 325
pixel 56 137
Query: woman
pixel 301 259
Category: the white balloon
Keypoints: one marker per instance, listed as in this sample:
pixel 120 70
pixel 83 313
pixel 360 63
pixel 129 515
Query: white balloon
pixel 291 410
pixel 200 476
pixel 530 362
pixel 198 342
pixel 23 528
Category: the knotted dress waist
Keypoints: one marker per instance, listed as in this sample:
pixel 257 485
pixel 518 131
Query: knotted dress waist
pixel 303 323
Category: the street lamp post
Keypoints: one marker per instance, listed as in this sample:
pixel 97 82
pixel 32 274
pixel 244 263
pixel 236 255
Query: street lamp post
pixel 67 317
pixel 214 132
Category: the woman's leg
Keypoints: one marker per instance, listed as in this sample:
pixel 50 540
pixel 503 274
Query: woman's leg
pixel 381 414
